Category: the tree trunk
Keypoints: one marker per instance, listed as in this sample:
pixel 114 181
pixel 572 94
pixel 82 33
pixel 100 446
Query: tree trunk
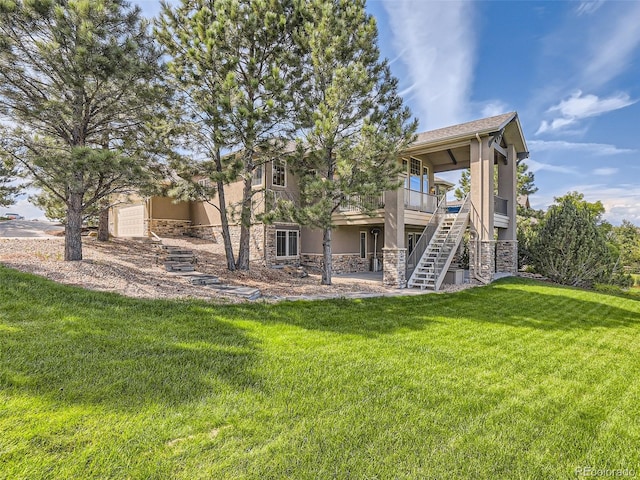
pixel 226 235
pixel 103 225
pixel 224 219
pixel 73 229
pixel 245 226
pixel 326 251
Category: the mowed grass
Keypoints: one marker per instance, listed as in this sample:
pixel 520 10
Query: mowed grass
pixel 515 380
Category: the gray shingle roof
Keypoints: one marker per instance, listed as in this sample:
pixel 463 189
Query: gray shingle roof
pixel 482 126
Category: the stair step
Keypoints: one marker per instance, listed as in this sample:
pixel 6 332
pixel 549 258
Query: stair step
pixel 179 267
pixel 176 257
pixel 205 280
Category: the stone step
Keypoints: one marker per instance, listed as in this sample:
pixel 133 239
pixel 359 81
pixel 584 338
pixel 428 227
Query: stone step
pixel 246 292
pixel 179 267
pixel 180 257
pixel 204 280
pixel 179 251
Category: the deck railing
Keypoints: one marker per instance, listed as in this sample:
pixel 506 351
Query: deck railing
pixel 422 202
pixel 362 203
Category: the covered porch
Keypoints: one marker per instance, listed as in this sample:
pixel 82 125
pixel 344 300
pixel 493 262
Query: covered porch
pixel 491 149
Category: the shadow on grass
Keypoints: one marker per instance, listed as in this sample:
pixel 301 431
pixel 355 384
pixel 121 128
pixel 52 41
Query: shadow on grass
pixel 514 302
pixel 74 345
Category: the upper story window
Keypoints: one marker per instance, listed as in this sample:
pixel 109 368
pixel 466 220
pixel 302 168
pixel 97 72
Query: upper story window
pixel 417 175
pixel 258 178
pixel 204 182
pixel 279 173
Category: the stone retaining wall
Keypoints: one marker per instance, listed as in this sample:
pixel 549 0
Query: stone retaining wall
pixel 341 262
pixel 167 226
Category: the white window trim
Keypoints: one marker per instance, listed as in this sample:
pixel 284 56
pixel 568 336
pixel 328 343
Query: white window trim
pixel 273 164
pixel 287 243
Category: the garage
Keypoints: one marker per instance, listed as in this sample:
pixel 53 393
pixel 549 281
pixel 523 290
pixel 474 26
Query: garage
pixel 130 221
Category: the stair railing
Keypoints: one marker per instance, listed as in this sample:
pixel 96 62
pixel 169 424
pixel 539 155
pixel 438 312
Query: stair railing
pixel 427 234
pixel 443 258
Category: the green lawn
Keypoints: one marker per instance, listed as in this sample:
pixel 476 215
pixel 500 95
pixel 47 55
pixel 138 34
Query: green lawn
pixel 515 380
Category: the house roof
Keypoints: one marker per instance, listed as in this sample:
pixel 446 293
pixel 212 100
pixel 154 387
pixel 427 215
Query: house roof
pixel 442 181
pixel 468 130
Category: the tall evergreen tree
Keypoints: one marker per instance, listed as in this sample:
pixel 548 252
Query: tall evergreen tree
pixel 79 81
pixel 234 63
pixel 7 189
pixel 351 120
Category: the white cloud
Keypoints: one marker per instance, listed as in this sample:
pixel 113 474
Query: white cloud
pixel 494 107
pixel 596 149
pixel 579 106
pixel 621 202
pixel 588 7
pixel 535 166
pixel 605 172
pixel 615 42
pixel 436 41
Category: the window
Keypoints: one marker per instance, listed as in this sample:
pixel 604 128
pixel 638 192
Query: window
pixel 286 243
pixel 204 182
pixel 415 174
pixel 425 180
pixel 363 244
pixel 257 178
pixel 279 173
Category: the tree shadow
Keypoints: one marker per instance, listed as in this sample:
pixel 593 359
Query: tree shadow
pixel 503 302
pixel 80 346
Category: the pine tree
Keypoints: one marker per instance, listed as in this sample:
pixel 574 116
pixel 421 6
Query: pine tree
pixel 235 64
pixel 351 119
pixel 569 247
pixel 525 182
pixel 79 83
pixel 7 189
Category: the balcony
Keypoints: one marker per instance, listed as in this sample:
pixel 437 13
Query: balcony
pixel 359 203
pixel 421 202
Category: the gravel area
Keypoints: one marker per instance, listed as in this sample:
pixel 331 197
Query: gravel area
pixel 135 269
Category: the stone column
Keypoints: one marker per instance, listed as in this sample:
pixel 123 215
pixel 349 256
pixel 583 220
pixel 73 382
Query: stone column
pixel 507 247
pixel 394 254
pixel 507 256
pixel 482 212
pixel 394 265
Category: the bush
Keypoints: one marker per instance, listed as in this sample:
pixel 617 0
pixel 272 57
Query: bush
pixel 569 248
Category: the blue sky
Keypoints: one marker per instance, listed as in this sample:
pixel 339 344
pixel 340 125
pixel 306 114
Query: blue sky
pixel 570 69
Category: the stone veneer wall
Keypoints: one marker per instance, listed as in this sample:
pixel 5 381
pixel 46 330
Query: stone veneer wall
pixel 507 256
pixel 214 234
pixel 394 267
pixel 166 226
pixel 270 246
pixel 341 262
pixel 487 260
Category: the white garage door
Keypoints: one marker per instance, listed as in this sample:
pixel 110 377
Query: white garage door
pixel 131 221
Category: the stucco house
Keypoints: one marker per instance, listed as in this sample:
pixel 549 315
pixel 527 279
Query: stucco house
pixel 413 235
